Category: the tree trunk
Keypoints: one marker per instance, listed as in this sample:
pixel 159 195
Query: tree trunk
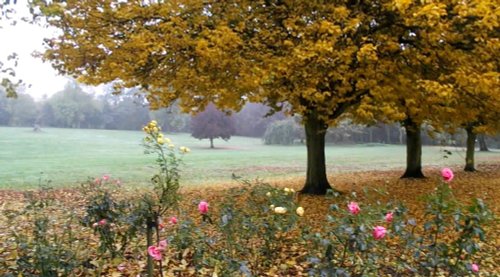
pixel 413 150
pixel 483 147
pixel 316 181
pixel 149 239
pixel 471 145
pixel 401 135
pixel 387 134
pixel 211 142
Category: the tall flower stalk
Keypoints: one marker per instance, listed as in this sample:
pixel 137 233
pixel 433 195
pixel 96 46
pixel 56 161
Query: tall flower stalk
pixel 165 195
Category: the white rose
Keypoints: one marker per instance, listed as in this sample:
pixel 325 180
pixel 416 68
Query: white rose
pixel 280 210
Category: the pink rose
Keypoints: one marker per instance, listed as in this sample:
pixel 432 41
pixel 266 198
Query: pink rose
pixel 155 252
pixel 162 245
pixel 447 174
pixel 379 232
pixel 97 181
pixel 475 268
pixel 203 207
pixel 353 208
pixel 105 177
pixel 173 220
pixel 121 267
pixel 102 222
pixel 389 216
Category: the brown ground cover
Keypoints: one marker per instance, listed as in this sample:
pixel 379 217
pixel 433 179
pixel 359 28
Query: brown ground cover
pixel 484 184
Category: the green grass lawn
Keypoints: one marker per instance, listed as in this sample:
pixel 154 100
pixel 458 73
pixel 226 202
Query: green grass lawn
pixel 69 156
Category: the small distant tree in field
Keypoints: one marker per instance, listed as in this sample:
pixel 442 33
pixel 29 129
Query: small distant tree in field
pixel 212 124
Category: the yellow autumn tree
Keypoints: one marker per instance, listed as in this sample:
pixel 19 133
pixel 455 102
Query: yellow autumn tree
pixel 475 106
pixel 439 40
pixel 308 57
pixel 318 59
pixel 469 78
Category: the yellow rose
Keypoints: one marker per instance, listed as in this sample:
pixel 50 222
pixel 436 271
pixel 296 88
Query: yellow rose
pixel 268 194
pixel 160 141
pixel 300 211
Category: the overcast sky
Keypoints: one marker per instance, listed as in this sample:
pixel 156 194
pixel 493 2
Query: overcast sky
pixel 24 39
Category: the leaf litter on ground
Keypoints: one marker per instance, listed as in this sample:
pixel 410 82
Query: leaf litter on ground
pixel 484 184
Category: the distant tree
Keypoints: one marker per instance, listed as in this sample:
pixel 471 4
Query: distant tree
pixel 129 114
pixel 23 110
pixel 254 118
pixel 173 119
pixel 283 132
pixel 74 108
pixel 344 132
pixel 4 112
pixel 46 114
pixel 494 141
pixel 20 110
pixel 127 111
pixel 211 124
pixel 482 143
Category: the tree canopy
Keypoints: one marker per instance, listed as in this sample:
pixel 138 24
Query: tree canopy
pixel 311 55
pixel 318 59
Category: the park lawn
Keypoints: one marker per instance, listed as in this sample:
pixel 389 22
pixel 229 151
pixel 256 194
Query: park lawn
pixel 66 157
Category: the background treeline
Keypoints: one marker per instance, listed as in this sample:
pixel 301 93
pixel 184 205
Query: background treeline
pixel 74 108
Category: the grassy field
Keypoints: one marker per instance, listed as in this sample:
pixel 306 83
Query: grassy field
pixel 69 156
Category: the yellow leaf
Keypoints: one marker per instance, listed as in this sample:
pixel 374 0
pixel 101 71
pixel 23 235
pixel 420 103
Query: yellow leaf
pixel 291 262
pixel 95 263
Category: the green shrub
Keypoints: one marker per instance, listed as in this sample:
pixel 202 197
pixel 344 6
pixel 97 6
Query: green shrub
pixel 45 249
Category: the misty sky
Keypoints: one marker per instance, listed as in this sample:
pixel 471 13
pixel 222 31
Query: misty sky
pixel 24 39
